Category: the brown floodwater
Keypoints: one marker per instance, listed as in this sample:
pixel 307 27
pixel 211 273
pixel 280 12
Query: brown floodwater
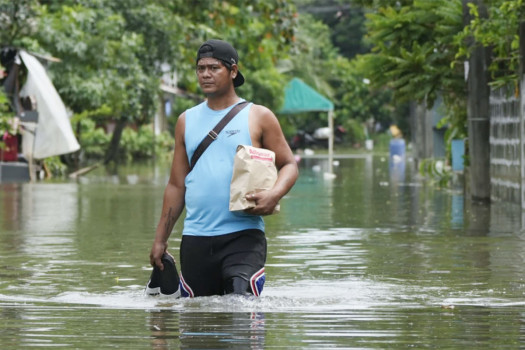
pixel 376 258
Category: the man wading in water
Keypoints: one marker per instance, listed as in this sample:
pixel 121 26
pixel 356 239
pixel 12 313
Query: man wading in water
pixel 221 252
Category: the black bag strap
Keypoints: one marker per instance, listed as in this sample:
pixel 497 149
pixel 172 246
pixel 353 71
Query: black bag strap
pixel 212 135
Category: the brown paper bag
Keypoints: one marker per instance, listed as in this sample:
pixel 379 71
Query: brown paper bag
pixel 253 171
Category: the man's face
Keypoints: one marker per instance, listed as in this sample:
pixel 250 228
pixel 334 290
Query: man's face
pixel 214 76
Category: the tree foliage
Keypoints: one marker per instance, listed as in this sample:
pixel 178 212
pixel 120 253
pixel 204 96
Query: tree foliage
pixel 100 60
pixel 346 21
pixel 414 54
pixel 318 61
pixel 414 48
pixel 17 21
pixel 112 52
pixel 499 30
pixel 5 116
pixel 420 47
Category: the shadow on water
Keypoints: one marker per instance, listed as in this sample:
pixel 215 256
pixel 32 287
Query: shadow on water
pixel 375 258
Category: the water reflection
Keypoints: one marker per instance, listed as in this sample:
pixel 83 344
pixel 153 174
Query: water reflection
pixel 311 194
pixel 164 327
pixel 397 167
pixel 49 213
pixel 222 330
pixel 457 211
pixel 11 206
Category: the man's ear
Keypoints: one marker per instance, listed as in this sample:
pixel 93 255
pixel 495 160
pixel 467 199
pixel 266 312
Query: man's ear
pixel 234 71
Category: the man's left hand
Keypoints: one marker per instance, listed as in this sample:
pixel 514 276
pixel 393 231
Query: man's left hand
pixel 265 203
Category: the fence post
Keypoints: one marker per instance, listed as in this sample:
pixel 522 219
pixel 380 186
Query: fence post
pixel 478 114
pixel 522 111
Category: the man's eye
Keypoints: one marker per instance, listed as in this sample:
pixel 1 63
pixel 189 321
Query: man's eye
pixel 215 68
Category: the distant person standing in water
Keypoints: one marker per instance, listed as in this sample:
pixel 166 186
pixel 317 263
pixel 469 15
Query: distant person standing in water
pixel 221 252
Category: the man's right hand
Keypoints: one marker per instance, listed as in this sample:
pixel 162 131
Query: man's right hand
pixel 156 253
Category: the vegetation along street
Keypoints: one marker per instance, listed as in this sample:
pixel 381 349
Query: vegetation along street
pixel 119 65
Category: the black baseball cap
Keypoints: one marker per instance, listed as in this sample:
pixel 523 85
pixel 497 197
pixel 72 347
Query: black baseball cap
pixel 224 52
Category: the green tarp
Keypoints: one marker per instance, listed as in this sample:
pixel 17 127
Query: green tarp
pixel 299 97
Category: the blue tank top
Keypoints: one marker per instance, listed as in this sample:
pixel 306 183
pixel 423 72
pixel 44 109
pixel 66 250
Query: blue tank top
pixel 208 184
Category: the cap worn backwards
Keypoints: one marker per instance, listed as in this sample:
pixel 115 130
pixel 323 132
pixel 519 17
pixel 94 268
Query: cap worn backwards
pixel 223 51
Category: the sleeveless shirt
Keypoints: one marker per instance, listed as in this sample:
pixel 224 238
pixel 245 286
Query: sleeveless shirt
pixel 208 184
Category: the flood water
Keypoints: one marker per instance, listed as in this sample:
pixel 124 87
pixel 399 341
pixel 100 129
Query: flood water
pixel 374 259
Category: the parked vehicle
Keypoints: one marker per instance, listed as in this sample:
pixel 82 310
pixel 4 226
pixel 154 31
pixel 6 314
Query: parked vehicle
pixel 319 138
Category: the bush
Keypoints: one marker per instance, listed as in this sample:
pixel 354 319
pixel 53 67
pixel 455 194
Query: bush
pixel 93 141
pixel 382 141
pixel 134 144
pixel 5 115
pixel 143 143
pixel 55 166
pixel 355 132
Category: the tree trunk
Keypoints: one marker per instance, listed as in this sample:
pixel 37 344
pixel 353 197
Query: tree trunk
pixel 421 126
pixel 478 114
pixel 112 151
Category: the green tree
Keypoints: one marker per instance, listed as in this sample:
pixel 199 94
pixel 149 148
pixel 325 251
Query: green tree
pixel 414 49
pixel 17 21
pixel 420 46
pixel 261 31
pixel 499 31
pixel 346 21
pixel 414 54
pixel 112 53
pixel 100 63
pixel 317 61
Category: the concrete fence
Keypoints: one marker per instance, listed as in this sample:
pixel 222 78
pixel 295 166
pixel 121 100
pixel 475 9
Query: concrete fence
pixel 507 145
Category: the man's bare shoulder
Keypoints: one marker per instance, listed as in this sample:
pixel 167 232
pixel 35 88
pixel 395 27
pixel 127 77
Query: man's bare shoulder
pixel 262 112
pixel 180 126
pixel 260 109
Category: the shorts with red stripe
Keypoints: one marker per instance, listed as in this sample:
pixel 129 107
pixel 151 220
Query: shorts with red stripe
pixel 209 263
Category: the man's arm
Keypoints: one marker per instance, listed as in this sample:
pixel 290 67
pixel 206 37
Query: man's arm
pixel 266 132
pixel 173 201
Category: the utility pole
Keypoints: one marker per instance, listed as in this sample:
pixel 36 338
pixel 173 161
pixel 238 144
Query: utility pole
pixel 478 113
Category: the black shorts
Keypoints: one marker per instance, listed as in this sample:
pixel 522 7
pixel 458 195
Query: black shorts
pixel 207 263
